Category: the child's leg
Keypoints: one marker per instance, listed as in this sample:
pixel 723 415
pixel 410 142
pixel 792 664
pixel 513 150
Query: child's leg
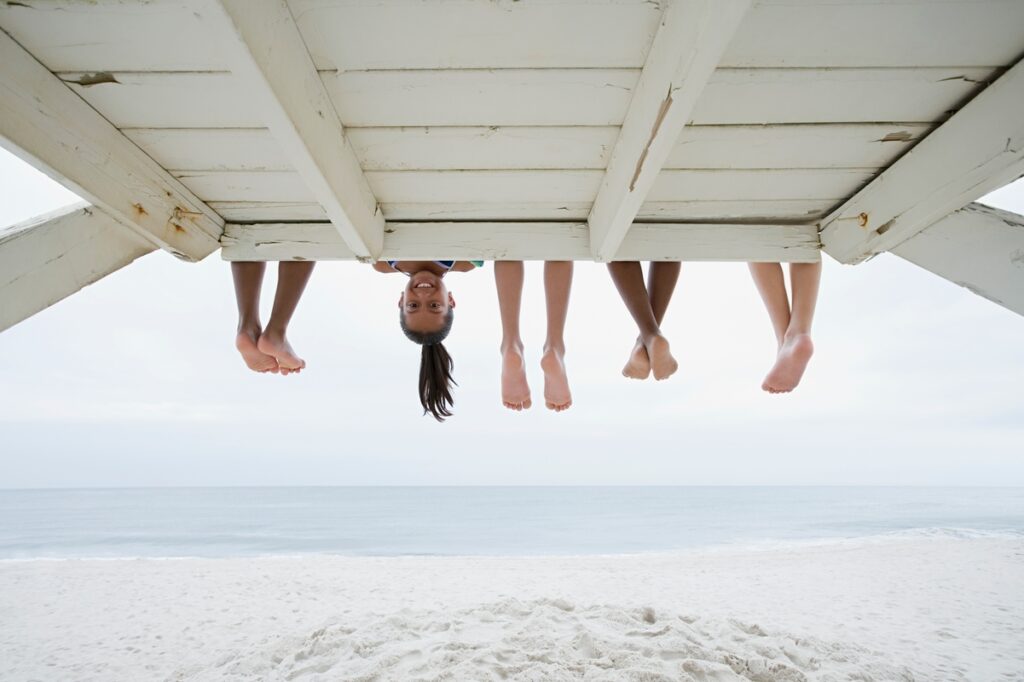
pixel 292 277
pixel 661 283
pixel 557 285
pixel 248 279
pixel 629 280
pixel 508 279
pixel 792 326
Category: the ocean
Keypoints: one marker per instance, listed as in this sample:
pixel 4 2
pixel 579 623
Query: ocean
pixel 396 521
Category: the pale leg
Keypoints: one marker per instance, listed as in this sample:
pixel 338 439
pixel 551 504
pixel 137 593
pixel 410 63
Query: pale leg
pixel 557 286
pixel 248 280
pixel 792 325
pixel 628 277
pixel 292 277
pixel 508 279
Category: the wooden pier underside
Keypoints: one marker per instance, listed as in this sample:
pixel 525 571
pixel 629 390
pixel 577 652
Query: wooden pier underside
pixel 761 130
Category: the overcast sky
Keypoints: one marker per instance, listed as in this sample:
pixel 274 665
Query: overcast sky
pixel 135 381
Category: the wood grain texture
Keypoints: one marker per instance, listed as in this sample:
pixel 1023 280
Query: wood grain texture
pixel 979 248
pixel 528 241
pixel 46 124
pixel 976 151
pixel 46 259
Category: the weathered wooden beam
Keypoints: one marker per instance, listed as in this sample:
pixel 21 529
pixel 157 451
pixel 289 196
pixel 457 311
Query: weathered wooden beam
pixel 48 258
pixel 978 149
pixel 977 247
pixel 527 241
pixel 267 52
pixel 686 50
pixel 49 126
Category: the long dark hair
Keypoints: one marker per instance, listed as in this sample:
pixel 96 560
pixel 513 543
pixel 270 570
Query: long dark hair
pixel 436 367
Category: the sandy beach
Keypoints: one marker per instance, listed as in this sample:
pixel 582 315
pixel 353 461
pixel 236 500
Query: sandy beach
pixel 899 609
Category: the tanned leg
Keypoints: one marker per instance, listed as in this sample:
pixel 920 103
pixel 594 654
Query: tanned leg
pixel 628 277
pixel 292 277
pixel 515 391
pixel 792 325
pixel 248 279
pixel 557 286
pixel 661 283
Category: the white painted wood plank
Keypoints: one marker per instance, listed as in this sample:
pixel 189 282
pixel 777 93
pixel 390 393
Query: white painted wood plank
pixel 760 96
pixel 477 35
pixel 854 33
pixel 211 149
pixel 112 35
pixel 977 247
pixel 686 50
pixel 47 125
pixel 169 100
pixel 546 148
pixel 763 185
pixel 48 258
pixel 766 212
pixel 865 146
pixel 801 211
pixel 537 187
pixel 576 97
pixel 515 97
pixel 978 150
pixel 267 52
pixel 122 35
pixel 527 241
pixel 483 147
pixel 263 186
pixel 268 211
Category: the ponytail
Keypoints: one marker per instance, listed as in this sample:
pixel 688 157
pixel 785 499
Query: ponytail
pixel 436 365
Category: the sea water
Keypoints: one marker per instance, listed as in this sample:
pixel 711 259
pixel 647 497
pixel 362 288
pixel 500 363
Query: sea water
pixel 391 521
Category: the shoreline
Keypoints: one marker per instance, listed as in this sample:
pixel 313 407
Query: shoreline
pixel 927 609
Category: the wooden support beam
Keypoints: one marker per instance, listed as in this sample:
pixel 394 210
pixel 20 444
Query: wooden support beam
pixel 527 241
pixel 267 52
pixel 978 149
pixel 45 123
pixel 977 247
pixel 689 43
pixel 48 258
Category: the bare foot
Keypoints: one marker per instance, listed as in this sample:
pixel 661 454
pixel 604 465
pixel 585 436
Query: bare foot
pixel 255 360
pixel 275 344
pixel 556 384
pixel 515 391
pixel 662 363
pixel 639 364
pixel 789 367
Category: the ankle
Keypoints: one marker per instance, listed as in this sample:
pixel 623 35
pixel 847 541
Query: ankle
pixel 512 345
pixel 274 331
pixel 556 347
pixel 250 328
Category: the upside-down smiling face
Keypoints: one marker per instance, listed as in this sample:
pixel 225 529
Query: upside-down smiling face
pixel 425 302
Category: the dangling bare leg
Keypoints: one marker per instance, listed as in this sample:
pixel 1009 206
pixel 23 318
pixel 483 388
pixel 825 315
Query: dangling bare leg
pixel 629 280
pixel 515 391
pixel 557 285
pixel 248 279
pixel 292 277
pixel 792 326
pixel 661 283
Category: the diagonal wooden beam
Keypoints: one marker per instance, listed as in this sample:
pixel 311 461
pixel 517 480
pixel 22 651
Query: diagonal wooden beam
pixel 528 241
pixel 49 126
pixel 977 247
pixel 690 41
pixel 48 258
pixel 979 149
pixel 266 50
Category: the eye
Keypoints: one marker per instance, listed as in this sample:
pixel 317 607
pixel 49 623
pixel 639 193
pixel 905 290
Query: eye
pixel 412 306
pixel 435 305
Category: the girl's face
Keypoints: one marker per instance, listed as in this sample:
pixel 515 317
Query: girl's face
pixel 425 302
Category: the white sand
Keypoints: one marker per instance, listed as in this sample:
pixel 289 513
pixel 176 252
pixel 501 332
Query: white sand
pixel 925 609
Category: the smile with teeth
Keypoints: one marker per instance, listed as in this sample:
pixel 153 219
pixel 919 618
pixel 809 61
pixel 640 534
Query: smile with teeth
pixel 424 285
